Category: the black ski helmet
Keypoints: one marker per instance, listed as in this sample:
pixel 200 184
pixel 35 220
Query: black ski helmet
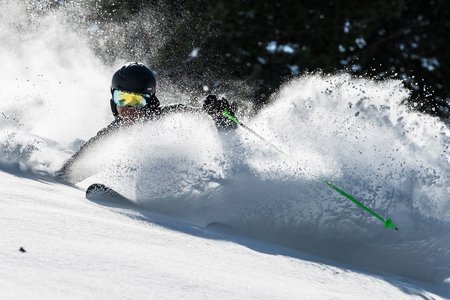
pixel 134 77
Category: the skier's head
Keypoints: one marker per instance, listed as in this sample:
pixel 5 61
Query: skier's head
pixel 133 89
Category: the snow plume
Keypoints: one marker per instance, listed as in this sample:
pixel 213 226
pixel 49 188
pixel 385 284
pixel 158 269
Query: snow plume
pixel 51 86
pixel 55 84
pixel 354 132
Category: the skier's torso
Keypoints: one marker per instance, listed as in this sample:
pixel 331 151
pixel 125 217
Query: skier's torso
pixel 118 123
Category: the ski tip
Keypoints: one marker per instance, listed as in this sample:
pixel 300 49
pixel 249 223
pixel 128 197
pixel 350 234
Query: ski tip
pixel 101 193
pixel 95 190
pixel 95 187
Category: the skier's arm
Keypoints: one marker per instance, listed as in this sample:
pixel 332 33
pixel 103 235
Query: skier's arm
pixel 212 106
pixel 174 108
pixel 64 172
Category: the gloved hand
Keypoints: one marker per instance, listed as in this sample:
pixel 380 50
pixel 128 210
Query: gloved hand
pixel 215 108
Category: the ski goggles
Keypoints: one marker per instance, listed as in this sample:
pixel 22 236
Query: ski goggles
pixel 123 99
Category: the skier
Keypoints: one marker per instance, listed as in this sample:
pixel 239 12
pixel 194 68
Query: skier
pixel 133 89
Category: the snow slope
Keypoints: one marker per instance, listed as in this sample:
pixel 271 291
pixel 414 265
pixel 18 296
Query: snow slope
pixel 78 249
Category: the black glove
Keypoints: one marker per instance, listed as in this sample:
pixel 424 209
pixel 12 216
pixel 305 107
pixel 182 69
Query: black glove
pixel 215 108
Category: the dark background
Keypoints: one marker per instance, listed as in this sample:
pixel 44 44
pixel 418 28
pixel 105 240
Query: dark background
pixel 261 44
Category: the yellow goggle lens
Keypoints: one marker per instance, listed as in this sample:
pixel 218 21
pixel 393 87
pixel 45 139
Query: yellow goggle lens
pixel 122 99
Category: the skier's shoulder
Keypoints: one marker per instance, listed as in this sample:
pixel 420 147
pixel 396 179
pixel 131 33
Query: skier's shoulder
pixel 178 108
pixel 113 126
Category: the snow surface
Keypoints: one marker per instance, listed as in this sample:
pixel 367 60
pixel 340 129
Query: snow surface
pixel 216 215
pixel 78 249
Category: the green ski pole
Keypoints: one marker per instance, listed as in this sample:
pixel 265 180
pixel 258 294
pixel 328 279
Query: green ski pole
pixel 388 223
pixel 235 120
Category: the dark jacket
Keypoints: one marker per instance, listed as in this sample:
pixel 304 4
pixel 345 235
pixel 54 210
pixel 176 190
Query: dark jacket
pixel 150 115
